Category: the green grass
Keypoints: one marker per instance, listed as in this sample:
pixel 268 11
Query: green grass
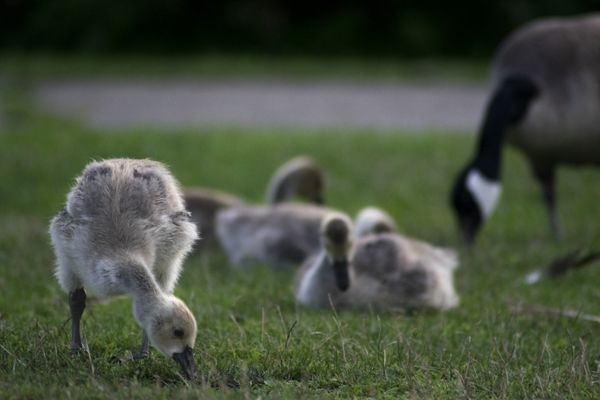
pixel 40 66
pixel 253 340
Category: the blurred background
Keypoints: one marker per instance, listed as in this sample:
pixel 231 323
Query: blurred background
pixel 434 28
pixel 427 45
pixel 413 65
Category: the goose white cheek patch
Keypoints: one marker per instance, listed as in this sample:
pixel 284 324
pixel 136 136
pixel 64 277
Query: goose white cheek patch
pixel 485 191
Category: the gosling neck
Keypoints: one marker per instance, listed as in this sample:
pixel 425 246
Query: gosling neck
pixel 318 283
pixel 277 191
pixel 141 285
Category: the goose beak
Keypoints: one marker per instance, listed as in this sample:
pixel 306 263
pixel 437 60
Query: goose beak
pixel 468 235
pixel 342 279
pixel 469 227
pixel 186 361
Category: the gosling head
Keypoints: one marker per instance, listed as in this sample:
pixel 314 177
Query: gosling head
pixel 335 236
pixel 300 177
pixel 473 199
pixel 372 220
pixel 172 330
pixel 309 184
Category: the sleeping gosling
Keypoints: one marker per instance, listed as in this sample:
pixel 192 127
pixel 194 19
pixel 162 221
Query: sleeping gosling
pixel 373 220
pixel 384 270
pixel 298 178
pixel 281 236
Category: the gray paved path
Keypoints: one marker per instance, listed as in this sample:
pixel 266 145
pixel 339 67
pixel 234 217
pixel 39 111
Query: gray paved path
pixel 188 102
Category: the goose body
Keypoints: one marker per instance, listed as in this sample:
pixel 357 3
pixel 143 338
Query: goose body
pixel 385 270
pixel 545 101
pixel 561 57
pixel 299 177
pixel 124 230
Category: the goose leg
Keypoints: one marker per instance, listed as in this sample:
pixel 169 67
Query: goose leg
pixel 549 195
pixel 77 305
pixel 548 191
pixel 143 351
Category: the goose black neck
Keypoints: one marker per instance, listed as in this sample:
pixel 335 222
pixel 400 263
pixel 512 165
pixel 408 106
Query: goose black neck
pixel 507 107
pixel 488 157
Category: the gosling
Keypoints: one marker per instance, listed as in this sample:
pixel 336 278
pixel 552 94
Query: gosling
pixel 300 177
pixel 124 230
pixel 373 220
pixel 379 270
pixel 281 236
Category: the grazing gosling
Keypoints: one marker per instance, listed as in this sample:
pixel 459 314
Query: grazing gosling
pixel 124 229
pixel 385 270
pixel 301 177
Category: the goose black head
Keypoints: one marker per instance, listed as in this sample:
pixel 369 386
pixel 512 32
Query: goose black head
pixel 473 198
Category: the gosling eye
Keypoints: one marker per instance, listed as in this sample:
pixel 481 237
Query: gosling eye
pixel 178 332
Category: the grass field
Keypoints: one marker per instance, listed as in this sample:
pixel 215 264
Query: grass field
pixel 253 340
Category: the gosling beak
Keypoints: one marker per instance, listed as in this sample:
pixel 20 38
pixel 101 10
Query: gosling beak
pixel 186 360
pixel 340 268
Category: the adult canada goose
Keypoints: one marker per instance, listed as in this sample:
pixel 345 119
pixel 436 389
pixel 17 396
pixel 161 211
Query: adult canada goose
pixel 545 101
pixel 381 270
pixel 299 177
pixel 124 229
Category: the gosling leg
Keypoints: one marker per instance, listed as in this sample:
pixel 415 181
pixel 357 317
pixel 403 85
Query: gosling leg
pixel 77 305
pixel 143 351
